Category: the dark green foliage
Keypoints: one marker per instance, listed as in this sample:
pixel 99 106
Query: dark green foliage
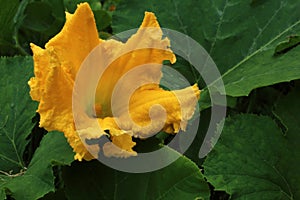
pixel 255 45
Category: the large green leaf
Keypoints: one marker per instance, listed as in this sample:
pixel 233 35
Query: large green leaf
pixel 28 21
pixel 8 10
pixel 38 21
pixel 17 110
pixel 253 159
pixel 38 179
pixel 71 5
pixel 2 194
pixel 264 68
pixel 93 180
pixel 241 36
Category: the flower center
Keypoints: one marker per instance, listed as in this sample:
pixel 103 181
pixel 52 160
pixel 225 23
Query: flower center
pixel 102 111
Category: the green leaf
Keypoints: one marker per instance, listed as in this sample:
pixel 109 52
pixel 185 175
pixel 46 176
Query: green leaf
pixel 283 47
pixel 103 19
pixel 93 180
pixel 8 10
pixel 38 21
pixel 38 16
pixel 17 110
pixel 28 21
pixel 288 111
pixel 2 194
pixel 263 68
pixel 254 160
pixel 38 179
pixel 3 180
pixel 241 36
pixel 71 5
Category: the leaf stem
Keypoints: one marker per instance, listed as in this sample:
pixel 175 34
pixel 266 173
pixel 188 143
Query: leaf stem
pixel 22 171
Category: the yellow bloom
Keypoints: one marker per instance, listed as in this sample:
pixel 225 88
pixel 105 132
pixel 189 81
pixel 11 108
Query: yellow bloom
pixel 56 67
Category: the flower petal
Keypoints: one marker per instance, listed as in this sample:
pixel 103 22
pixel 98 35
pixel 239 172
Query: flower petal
pixel 76 40
pixel 121 140
pixel 144 47
pixel 37 84
pixel 110 150
pixel 55 68
pixel 152 109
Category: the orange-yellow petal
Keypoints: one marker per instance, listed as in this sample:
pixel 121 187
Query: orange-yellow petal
pixel 121 141
pixel 112 150
pixel 37 84
pixel 55 68
pixel 76 40
pixel 147 46
pixel 152 109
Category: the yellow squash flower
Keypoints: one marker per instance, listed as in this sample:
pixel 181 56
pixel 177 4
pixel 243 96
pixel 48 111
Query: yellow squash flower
pixel 56 67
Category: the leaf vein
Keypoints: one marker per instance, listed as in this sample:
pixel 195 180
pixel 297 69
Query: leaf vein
pixel 253 54
pixel 218 28
pixel 264 28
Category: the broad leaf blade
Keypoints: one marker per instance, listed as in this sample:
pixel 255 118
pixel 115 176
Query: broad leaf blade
pixel 254 160
pixel 36 22
pixel 8 10
pixel 3 180
pixel 180 180
pixel 264 67
pixel 17 110
pixel 288 111
pixel 71 5
pixel 39 179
